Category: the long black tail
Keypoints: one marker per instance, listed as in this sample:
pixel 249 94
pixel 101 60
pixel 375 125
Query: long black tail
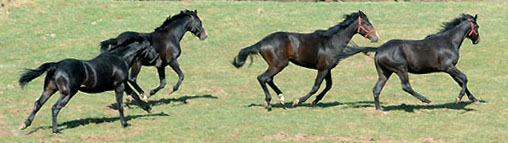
pixel 239 60
pixel 105 44
pixel 353 50
pixel 31 74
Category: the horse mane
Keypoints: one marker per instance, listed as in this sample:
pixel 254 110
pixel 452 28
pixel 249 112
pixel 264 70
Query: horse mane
pixel 348 19
pixel 170 19
pixel 452 24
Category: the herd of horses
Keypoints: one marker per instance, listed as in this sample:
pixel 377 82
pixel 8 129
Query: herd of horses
pixel 321 50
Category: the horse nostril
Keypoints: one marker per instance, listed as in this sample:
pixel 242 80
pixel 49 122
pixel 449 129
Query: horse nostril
pixel 374 40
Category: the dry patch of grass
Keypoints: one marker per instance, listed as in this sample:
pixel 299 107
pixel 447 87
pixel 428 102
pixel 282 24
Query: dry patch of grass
pixel 6 4
pixel 282 136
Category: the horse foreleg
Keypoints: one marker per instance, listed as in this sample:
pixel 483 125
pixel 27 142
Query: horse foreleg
pixel 328 79
pixel 319 79
pixel 461 79
pixel 176 67
pixel 133 94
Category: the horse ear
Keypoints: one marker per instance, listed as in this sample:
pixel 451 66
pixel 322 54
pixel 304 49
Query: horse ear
pixel 475 16
pixel 361 13
pixel 196 11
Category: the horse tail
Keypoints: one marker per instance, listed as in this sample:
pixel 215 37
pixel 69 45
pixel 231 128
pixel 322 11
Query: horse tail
pixel 353 50
pixel 105 44
pixel 31 74
pixel 239 60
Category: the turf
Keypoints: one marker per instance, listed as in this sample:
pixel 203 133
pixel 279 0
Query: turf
pixel 218 103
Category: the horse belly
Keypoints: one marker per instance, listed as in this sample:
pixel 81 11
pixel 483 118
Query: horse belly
pixel 422 67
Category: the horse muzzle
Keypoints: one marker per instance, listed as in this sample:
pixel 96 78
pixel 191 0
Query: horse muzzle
pixel 373 37
pixel 203 35
pixel 476 41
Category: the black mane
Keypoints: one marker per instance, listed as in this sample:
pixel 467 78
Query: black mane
pixel 348 19
pixel 452 24
pixel 170 19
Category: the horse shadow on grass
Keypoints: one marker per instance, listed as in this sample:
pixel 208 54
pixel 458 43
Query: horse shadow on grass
pixel 356 104
pixel 371 104
pixel 183 99
pixel 451 105
pixel 99 120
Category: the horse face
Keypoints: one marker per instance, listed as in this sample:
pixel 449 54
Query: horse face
pixel 474 34
pixel 366 29
pixel 196 28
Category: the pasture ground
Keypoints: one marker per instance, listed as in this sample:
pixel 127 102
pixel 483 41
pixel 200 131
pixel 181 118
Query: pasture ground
pixel 218 103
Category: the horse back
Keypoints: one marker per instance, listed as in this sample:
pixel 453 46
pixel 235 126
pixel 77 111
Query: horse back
pixel 417 56
pixel 104 73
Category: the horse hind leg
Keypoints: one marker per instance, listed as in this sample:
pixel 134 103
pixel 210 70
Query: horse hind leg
pixel 277 91
pixel 384 75
pixel 118 95
pixel 49 89
pixel 276 67
pixel 65 97
pixel 267 77
pixel 406 86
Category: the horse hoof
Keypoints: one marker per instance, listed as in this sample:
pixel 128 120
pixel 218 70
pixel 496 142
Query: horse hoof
pixel 313 104
pixel 171 91
pixel 148 110
pixel 126 125
pixel 55 132
pixel 476 102
pixel 457 100
pixel 429 104
pixel 129 99
pixel 296 102
pixel 145 97
pixel 281 98
pixel 22 126
pixel 381 112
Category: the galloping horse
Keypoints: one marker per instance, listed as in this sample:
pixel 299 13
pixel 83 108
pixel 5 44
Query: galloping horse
pixel 436 53
pixel 108 71
pixel 321 50
pixel 166 47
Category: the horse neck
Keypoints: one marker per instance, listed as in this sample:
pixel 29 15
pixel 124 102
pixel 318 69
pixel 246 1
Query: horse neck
pixel 457 35
pixel 178 29
pixel 342 38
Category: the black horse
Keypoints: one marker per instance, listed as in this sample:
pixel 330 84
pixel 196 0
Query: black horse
pixel 166 47
pixel 436 53
pixel 321 50
pixel 108 71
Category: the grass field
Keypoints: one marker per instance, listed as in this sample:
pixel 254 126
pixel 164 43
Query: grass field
pixel 218 103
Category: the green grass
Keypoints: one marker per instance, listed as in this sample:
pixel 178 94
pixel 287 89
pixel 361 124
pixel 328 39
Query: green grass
pixel 37 32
